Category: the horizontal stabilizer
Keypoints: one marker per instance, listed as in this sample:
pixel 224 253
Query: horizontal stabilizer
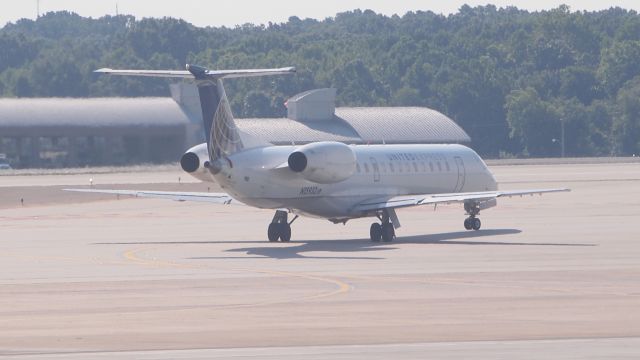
pixel 148 73
pixel 200 73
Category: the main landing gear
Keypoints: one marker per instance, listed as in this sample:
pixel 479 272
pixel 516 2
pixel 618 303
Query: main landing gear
pixel 383 231
pixel 280 227
pixel 472 222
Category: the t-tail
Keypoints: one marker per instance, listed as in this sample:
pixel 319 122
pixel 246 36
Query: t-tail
pixel 223 136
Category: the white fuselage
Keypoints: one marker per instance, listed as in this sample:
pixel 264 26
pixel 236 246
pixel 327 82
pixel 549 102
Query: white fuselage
pixel 257 177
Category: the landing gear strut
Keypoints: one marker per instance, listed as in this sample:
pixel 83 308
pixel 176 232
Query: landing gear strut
pixel 472 222
pixel 280 227
pixel 383 231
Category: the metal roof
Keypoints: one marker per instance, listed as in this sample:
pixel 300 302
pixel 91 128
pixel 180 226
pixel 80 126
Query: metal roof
pixel 93 112
pixel 398 125
pixel 283 131
pixel 402 125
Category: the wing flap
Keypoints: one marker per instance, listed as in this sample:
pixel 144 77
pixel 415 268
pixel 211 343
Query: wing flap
pixel 216 198
pixel 394 202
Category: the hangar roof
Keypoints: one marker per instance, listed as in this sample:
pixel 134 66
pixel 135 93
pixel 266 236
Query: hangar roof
pixel 92 112
pixel 402 125
pixel 284 131
pixel 45 116
pixel 398 125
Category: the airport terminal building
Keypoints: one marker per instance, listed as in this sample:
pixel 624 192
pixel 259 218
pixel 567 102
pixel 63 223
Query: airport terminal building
pixel 64 132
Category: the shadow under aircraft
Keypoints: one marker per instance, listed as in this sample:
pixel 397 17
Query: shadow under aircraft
pixel 355 247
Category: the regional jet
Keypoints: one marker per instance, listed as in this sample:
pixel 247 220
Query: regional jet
pixel 326 179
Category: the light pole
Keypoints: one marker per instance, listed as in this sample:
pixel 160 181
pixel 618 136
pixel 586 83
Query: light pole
pixel 561 137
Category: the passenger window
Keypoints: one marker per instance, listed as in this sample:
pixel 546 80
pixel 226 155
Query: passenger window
pixel 407 166
pixel 446 164
pixel 391 167
pixel 423 166
pixel 384 167
pixel 431 166
pixel 366 167
pixel 439 166
pixel 358 167
pixel 415 167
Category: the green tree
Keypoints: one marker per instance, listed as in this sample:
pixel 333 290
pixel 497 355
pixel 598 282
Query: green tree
pixel 356 84
pixel 407 97
pixel 600 119
pixel 534 122
pixel 619 63
pixel 257 104
pixel 579 82
pixel 574 67
pixel 627 121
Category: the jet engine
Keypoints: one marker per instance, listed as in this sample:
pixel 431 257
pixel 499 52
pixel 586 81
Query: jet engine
pixel 323 162
pixel 195 162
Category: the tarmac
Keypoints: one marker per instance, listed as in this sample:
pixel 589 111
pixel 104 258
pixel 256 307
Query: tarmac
pixel 86 276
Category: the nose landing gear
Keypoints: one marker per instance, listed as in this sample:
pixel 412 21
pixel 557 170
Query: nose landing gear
pixel 280 228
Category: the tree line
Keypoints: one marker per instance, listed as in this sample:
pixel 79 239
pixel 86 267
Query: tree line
pixel 512 79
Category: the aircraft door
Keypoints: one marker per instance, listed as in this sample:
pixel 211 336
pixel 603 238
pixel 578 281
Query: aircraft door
pixel 461 174
pixel 376 169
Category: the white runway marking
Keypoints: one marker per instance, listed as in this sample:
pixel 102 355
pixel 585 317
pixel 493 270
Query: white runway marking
pixel 584 349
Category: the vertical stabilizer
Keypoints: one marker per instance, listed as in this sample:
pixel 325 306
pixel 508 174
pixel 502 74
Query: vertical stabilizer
pixel 222 135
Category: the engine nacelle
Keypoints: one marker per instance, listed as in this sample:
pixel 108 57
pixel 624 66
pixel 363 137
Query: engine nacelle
pixel 195 162
pixel 324 162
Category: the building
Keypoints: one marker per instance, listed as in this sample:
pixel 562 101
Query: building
pixel 89 132
pixel 63 132
pixel 312 116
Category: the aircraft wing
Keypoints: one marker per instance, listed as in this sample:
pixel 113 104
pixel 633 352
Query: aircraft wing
pixel 216 198
pixel 394 202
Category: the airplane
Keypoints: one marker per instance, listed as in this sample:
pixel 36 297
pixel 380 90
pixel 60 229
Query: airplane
pixel 329 180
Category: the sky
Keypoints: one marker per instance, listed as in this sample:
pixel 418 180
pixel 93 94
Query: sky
pixel 237 12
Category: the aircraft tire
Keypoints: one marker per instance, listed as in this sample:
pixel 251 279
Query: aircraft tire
pixel 375 232
pixel 468 223
pixel 476 224
pixel 273 233
pixel 285 232
pixel 387 232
